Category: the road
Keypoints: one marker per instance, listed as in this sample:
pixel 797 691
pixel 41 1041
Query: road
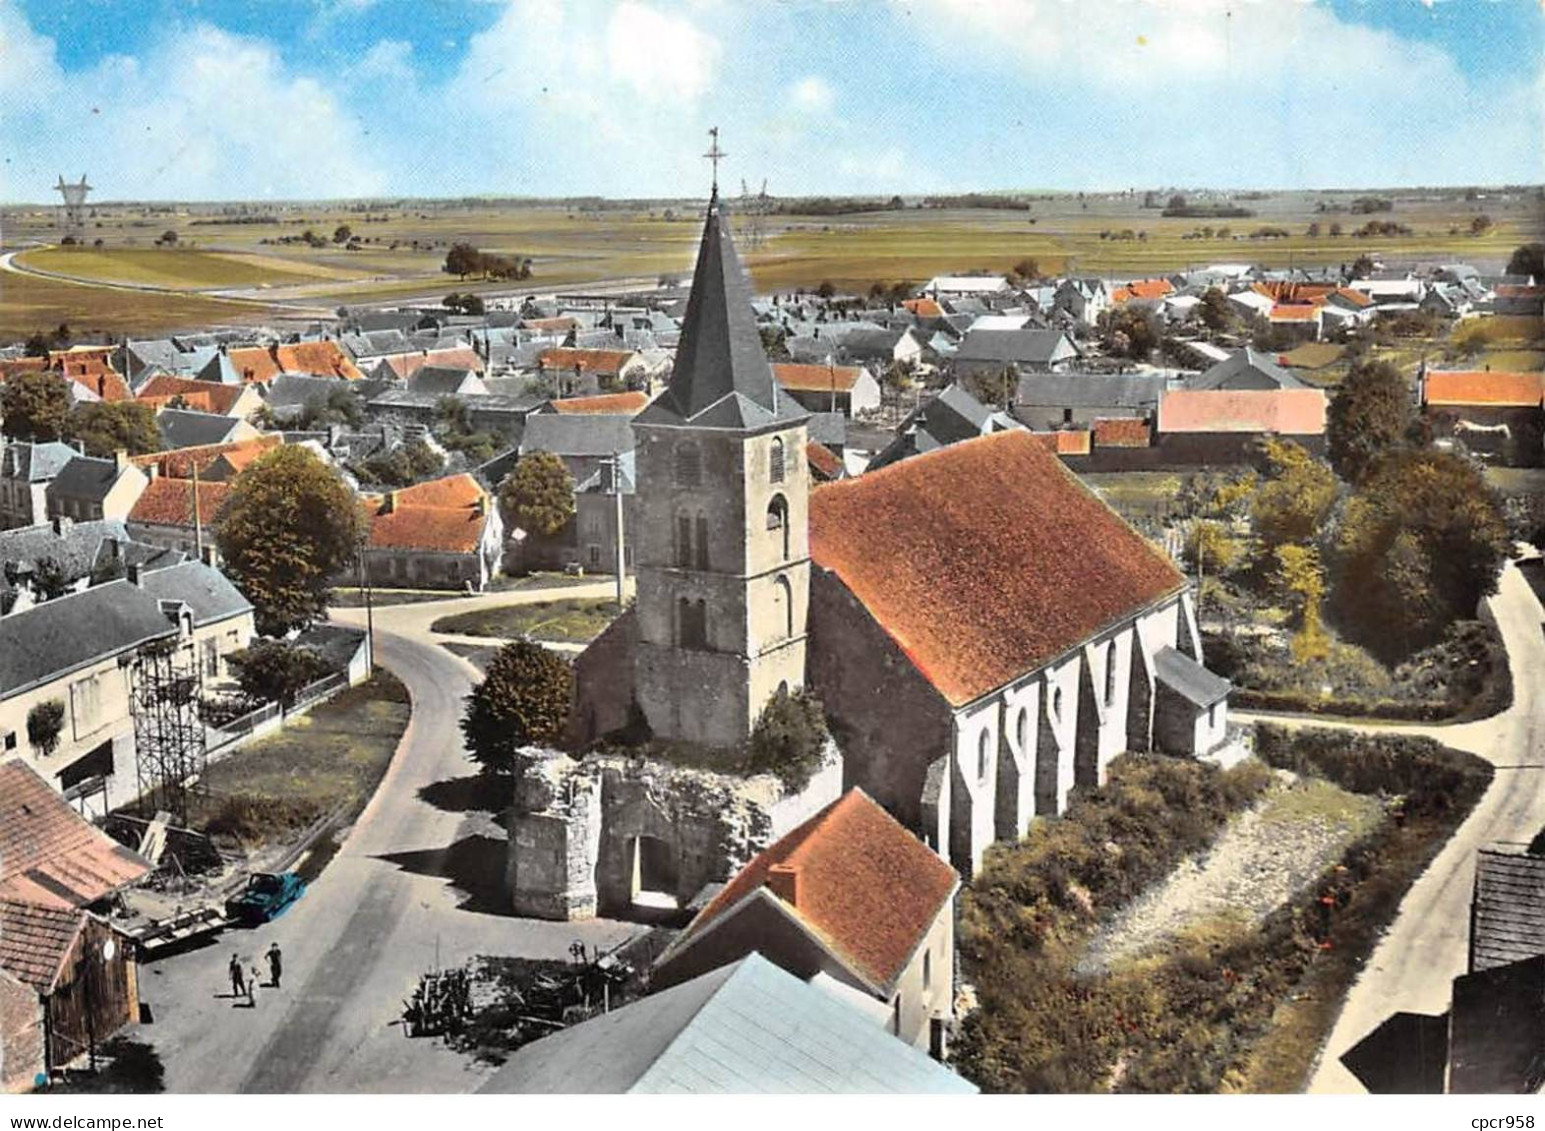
pixel 417 884
pixel 1427 946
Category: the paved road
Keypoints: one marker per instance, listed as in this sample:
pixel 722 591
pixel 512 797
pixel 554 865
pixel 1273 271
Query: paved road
pixel 1427 945
pixel 418 883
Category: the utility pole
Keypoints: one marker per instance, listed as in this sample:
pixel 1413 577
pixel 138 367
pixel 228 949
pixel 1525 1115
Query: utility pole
pixel 615 463
pixel 198 521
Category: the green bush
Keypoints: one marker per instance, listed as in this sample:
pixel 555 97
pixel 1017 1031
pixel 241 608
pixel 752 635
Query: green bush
pixel 789 740
pixel 276 671
pixel 45 724
pixel 523 701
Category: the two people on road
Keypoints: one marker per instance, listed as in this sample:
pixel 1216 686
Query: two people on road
pixel 244 982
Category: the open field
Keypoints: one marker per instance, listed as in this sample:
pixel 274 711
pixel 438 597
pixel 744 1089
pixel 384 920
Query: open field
pixel 570 621
pixel 29 303
pixel 403 245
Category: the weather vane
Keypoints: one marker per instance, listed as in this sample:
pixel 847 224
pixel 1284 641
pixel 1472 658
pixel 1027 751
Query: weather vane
pixel 715 154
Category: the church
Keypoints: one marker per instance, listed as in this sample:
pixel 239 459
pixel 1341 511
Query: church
pixel 984 633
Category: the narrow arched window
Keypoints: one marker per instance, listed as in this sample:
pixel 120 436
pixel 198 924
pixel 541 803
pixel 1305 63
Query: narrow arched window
pixel 778 520
pixel 783 599
pixel 1110 673
pixel 684 541
pixel 983 753
pixel 1022 729
pixel 689 466
pixel 702 541
pixel 927 971
pixel 775 460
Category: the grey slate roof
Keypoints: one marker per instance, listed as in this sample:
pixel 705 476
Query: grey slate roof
pixel 1090 390
pixel 1497 1030
pixel 296 390
pixel 34 463
pixel 86 477
pixel 203 588
pixel 600 483
pixel 721 378
pixel 221 369
pixel 582 434
pixel 446 381
pixel 62 635
pixel 79 548
pixel 951 416
pixel 1029 347
pixel 750 1027
pixel 829 428
pixel 1181 674
pixel 183 428
pixel 1507 920
pixel 1247 369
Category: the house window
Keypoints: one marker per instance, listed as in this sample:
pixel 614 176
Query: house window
pixel 775 460
pixel 983 753
pixel 595 556
pixel 85 704
pixel 1067 416
pixel 689 466
pixel 10 740
pixel 1055 703
pixel 778 520
pixel 211 657
pixel 896 1016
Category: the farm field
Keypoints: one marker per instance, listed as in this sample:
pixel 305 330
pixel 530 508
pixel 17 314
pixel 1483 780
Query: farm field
pixel 176 268
pixel 29 303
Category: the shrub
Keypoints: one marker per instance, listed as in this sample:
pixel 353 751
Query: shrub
pixel 276 671
pixel 45 723
pixel 522 701
pixel 789 740
pixel 251 818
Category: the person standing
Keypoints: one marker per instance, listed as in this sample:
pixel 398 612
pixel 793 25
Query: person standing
pixel 252 982
pixel 275 965
pixel 238 980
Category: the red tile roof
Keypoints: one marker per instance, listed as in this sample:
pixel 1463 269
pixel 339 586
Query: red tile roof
pixel 1356 298
pixel 163 387
pixel 562 325
pixel 1497 388
pixel 261 364
pixel 1295 294
pixel 1283 312
pixel 816 378
pixel 1064 441
pixel 1122 432
pixel 405 365
pixel 924 307
pixel 180 462
pixel 49 853
pixel 629 404
pixel 169 502
pixel 1290 412
pixel 824 462
pixel 591 361
pixel 1143 289
pixel 100 380
pixel 985 559
pixel 445 516
pixel 36 940
pixel 866 886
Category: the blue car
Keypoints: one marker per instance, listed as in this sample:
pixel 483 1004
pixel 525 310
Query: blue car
pixel 265 897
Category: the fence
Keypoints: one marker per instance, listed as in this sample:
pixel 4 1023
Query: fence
pixel 270 716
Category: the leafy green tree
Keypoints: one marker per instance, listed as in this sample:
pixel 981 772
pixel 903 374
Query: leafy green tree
pixel 342 233
pixel 538 495
pixel 289 527
pixel 453 415
pixel 462 260
pixel 775 343
pixel 523 701
pixel 1300 579
pixel 35 406
pixel 1295 497
pixel 1370 414
pixel 1480 225
pixel 37 344
pixel 45 724
pixel 995 387
pixel 1209 546
pixel 827 289
pixel 1420 544
pixel 49 581
pixel 105 427
pixel 1528 259
pixel 1130 331
pixel 789 739
pixel 1362 266
pixel 276 671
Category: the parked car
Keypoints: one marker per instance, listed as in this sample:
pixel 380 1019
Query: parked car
pixel 265 897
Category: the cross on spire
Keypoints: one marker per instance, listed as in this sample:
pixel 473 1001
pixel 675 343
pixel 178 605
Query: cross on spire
pixel 715 155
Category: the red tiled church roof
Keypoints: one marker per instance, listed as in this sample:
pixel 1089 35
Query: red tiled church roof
pixel 865 885
pixel 984 560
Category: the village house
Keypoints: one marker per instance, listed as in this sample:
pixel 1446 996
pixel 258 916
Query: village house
pixel 443 534
pixel 584 441
pixel 883 347
pixel 851 895
pixel 170 513
pixel 205 460
pixel 1245 369
pixel 183 428
pixel 1081 300
pixel 400 367
pixel 579 372
pixel 1049 401
pixel 988 352
pixel 1211 427
pixel 956 285
pixel 164 390
pixel 1497 414
pixel 848 389
pixel 595 517
pixel 88 488
pixel 26 470
pixel 40 562
pixel 604 404
pixel 986 634
pixel 261 364
pixel 948 417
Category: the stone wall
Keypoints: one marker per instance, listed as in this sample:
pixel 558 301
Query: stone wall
pixel 21 1035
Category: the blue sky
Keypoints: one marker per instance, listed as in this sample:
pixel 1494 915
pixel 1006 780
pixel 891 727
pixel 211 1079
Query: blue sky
pixel 251 99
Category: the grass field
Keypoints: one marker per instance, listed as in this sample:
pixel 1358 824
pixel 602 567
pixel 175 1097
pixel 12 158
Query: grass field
pixel 28 303
pixel 176 268
pixel 570 621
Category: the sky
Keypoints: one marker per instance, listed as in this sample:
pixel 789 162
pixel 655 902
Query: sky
pixel 316 99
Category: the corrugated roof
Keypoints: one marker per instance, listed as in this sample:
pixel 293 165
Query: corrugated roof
pixel 49 853
pixel 1508 920
pixel 742 1029
pixel 984 560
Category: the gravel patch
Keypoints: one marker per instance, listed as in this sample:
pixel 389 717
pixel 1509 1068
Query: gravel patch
pixel 1263 859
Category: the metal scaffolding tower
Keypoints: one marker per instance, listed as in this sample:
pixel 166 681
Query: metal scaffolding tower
pixel 169 737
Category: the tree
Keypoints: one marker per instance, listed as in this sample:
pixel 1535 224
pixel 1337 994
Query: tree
pixel 276 671
pixel 1335 229
pixel 1369 415
pixel 1296 497
pixel 1299 578
pixel 37 344
pixel 1314 229
pixel 539 494
pixel 1130 332
pixel 789 739
pixel 453 414
pixel 1362 266
pixel 1420 544
pixel 774 343
pixel 1214 310
pixel 342 233
pixel 45 723
pixel 1210 548
pixel 1528 259
pixel 105 427
pixel 49 581
pixel 167 238
pixel 462 260
pixel 35 406
pixel 288 528
pixel 826 289
pixel 994 387
pixel 523 701
pixel 1027 270
pixel 1480 225
pixel 1177 203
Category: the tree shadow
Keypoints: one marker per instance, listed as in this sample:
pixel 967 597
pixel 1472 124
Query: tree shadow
pixel 474 866
pixel 124 1067
pixel 475 793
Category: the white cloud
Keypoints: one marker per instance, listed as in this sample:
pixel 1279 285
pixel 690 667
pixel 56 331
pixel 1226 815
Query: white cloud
pixel 660 55
pixel 812 94
pixel 389 59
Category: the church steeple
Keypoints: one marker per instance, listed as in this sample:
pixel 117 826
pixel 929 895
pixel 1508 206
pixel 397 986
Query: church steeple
pixel 721 378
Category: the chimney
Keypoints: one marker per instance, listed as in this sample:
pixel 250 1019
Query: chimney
pixel 120 460
pixel 390 503
pixel 783 881
pixel 132 572
pixel 480 508
pixel 62 524
pixel 207 555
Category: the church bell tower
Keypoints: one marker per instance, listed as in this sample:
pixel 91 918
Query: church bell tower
pixel 722 544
